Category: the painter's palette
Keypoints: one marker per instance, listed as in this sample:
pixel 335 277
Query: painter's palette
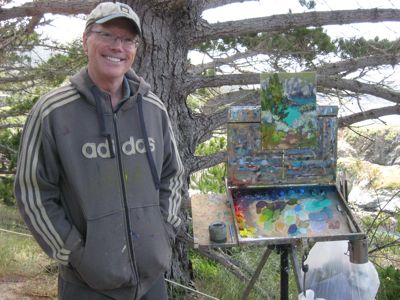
pixel 282 213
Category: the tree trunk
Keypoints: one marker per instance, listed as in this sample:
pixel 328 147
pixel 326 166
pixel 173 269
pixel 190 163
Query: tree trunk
pixel 161 61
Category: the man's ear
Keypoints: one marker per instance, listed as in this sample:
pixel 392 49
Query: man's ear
pixel 84 42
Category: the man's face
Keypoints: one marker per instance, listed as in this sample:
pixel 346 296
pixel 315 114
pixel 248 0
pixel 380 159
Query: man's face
pixel 110 57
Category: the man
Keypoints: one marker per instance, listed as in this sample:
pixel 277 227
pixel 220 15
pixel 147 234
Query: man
pixel 99 175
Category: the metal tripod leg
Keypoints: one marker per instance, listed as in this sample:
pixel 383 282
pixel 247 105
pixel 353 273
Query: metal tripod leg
pixel 283 250
pixel 298 275
pixel 256 274
pixel 284 271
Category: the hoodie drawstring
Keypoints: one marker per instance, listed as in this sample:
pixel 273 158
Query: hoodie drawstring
pixel 107 135
pixel 102 122
pixel 150 159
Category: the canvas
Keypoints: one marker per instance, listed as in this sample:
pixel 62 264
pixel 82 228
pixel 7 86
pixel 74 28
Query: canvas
pixel 288 111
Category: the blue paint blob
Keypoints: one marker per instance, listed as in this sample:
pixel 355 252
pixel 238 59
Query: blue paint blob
pixel 318 226
pixel 297 163
pixel 313 205
pixel 318 217
pixel 328 212
pixel 298 208
pixel 292 230
pixel 325 202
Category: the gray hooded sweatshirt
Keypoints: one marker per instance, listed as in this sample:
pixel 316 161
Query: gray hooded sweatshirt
pixel 100 188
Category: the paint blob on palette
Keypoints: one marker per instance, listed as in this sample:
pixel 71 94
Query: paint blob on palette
pixel 287 212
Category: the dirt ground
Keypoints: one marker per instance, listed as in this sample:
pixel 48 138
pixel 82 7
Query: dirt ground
pixel 9 287
pixel 16 287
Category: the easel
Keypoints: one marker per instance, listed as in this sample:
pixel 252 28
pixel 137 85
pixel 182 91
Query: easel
pixel 310 168
pixel 284 251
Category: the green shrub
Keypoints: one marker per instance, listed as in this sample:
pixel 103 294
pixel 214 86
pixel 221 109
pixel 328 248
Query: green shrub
pixel 211 179
pixel 389 288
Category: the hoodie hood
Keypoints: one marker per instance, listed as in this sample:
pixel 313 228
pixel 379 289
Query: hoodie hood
pixel 84 84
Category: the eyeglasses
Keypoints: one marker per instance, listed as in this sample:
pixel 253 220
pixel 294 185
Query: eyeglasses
pixel 127 43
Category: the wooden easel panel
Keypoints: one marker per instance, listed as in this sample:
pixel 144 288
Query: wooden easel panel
pixel 207 209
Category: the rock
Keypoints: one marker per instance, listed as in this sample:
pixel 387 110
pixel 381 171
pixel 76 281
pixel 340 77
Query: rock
pixel 376 144
pixel 374 200
pixel 345 149
pixel 370 159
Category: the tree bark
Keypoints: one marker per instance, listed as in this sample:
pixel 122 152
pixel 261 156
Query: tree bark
pixel 69 7
pixel 369 114
pixel 280 23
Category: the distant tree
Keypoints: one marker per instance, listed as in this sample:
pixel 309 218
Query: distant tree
pixel 273 98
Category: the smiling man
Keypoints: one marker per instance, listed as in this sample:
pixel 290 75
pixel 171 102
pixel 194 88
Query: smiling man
pixel 99 175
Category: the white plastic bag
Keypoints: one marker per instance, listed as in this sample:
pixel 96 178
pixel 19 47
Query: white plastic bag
pixel 332 276
pixel 309 296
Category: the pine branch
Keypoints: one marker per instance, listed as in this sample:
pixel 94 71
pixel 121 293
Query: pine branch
pixel 223 101
pixel 352 65
pixel 369 114
pixel 8 149
pixel 359 87
pixel 279 23
pixel 204 162
pixel 217 62
pixel 5 126
pixel 217 3
pixel 195 82
pixel 39 8
pixel 385 246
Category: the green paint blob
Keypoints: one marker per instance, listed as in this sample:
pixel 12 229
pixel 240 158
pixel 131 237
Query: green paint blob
pixel 268 226
pixel 268 214
pixel 289 217
pixel 290 220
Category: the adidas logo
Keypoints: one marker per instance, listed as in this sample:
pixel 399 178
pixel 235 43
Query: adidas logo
pixel 131 147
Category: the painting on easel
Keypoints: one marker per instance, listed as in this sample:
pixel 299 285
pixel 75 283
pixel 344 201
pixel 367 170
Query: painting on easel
pixel 288 111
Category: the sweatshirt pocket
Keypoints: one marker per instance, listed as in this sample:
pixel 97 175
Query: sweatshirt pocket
pixel 151 244
pixel 104 261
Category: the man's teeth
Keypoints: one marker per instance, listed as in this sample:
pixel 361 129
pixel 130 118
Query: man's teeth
pixel 114 59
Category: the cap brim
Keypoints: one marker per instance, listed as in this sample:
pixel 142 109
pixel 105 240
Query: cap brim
pixel 115 16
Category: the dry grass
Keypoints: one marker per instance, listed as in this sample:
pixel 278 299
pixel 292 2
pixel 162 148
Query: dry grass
pixel 24 269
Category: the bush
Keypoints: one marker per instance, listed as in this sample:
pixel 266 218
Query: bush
pixel 6 190
pixel 211 179
pixel 390 283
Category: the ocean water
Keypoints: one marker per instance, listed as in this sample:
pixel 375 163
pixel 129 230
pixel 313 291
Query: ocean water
pixel 294 114
pixel 294 111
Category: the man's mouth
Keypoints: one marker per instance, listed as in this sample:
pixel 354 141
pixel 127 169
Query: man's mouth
pixel 114 59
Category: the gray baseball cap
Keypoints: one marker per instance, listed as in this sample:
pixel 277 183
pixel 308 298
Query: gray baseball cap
pixel 107 11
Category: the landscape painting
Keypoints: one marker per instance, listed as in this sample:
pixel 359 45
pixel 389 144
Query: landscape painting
pixel 288 111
